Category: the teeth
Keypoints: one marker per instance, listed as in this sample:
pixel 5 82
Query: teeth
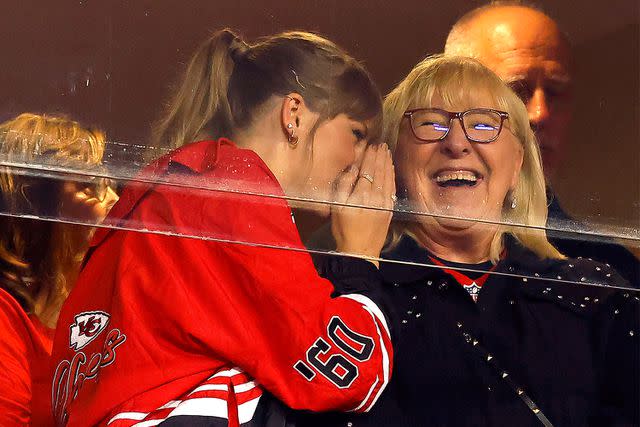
pixel 450 176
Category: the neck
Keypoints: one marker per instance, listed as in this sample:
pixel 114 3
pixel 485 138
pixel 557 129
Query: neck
pixel 267 143
pixel 466 247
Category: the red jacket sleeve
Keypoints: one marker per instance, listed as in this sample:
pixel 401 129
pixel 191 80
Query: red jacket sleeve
pixel 263 309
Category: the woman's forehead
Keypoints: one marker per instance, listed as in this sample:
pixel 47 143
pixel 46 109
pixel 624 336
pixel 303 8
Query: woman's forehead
pixel 461 98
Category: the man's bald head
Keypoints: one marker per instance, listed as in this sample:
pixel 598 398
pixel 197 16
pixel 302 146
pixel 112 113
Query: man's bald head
pixel 526 49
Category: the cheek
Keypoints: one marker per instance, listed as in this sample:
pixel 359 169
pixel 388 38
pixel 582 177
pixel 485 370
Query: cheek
pixel 333 149
pixel 411 160
pixel 503 164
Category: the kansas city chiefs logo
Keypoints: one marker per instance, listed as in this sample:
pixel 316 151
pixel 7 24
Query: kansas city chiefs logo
pixel 87 326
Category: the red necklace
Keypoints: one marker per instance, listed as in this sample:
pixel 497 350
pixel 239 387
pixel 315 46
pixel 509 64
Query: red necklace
pixel 472 286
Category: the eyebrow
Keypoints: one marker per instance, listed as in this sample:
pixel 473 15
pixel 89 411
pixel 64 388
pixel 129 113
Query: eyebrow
pixel 556 78
pixel 560 78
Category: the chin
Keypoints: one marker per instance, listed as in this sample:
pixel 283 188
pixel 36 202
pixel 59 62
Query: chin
pixel 461 216
pixel 454 224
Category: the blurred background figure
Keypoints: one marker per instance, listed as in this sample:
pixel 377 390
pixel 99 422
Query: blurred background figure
pixel 528 51
pixel 40 260
pixel 534 59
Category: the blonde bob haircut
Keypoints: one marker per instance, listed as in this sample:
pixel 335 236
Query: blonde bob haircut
pixel 34 255
pixel 458 80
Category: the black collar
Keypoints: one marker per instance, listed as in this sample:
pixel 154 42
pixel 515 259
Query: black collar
pixel 407 253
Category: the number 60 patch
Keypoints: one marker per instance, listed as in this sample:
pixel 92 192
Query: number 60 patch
pixel 336 367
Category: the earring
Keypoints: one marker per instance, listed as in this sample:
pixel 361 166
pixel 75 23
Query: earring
pixel 293 139
pixel 513 202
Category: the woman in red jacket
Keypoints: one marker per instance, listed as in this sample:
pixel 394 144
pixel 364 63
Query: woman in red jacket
pixel 189 321
pixel 39 261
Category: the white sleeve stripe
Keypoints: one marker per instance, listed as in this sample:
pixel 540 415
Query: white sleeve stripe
pixel 128 416
pixel 240 388
pixel 170 404
pixel 207 387
pixel 373 308
pixel 375 313
pixel 385 369
pixel 227 373
pixel 149 423
pixel 205 406
pixel 366 399
pixel 247 409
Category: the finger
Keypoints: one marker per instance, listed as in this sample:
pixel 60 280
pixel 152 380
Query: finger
pixel 363 185
pixel 361 148
pixel 381 163
pixel 346 182
pixel 389 181
pixel 376 196
pixel 369 161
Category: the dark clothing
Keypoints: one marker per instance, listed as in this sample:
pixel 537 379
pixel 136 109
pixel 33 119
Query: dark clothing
pixel 573 244
pixel 573 350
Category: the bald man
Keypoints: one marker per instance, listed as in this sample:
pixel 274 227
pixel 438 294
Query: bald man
pixel 526 49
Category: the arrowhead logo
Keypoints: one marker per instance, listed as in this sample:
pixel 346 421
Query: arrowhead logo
pixel 86 328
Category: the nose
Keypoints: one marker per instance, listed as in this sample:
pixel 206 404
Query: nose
pixel 455 144
pixel 538 109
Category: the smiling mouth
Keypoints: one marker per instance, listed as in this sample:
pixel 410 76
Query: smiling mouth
pixel 460 178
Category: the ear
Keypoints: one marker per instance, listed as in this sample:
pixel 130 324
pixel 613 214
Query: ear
pixel 518 166
pixel 292 109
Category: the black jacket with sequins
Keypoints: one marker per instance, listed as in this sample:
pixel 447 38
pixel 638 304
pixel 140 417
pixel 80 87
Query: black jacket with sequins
pixel 532 350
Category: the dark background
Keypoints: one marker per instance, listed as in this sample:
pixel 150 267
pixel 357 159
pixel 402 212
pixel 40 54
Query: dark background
pixel 110 63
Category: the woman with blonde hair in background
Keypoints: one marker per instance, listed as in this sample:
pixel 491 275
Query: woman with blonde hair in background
pixel 40 260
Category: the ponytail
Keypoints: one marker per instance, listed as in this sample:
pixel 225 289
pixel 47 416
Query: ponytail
pixel 201 102
pixel 227 81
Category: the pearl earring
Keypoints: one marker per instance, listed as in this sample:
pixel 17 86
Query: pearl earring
pixel 293 139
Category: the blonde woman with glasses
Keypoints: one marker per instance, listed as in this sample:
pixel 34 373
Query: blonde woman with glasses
pixel 501 329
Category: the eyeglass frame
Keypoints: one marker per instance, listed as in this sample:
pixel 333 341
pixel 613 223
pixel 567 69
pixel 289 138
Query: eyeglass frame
pixel 456 115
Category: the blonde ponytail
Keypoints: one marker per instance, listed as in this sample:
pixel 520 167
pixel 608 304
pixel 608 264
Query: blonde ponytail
pixel 227 81
pixel 201 102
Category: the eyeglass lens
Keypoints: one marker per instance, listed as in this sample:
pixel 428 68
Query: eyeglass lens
pixel 479 125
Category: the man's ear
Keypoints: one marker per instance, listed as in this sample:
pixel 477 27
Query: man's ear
pixel 293 108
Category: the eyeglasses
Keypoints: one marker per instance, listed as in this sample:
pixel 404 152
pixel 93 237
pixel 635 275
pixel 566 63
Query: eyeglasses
pixel 482 125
